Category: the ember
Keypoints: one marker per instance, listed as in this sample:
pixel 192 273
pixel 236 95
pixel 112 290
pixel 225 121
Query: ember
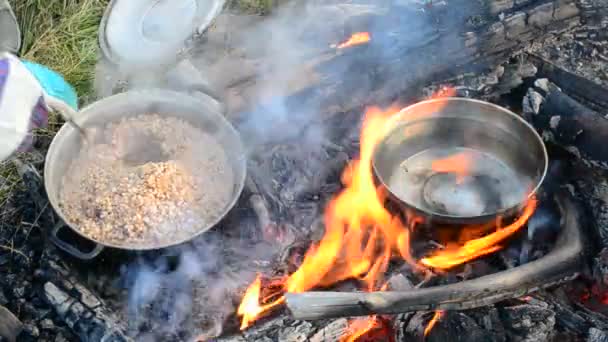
pixel 362 236
pixel 436 317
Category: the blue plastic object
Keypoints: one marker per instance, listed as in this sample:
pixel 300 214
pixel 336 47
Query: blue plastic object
pixel 53 83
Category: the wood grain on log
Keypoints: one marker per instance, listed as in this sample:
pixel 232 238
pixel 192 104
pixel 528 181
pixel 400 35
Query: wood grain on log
pixel 567 122
pixel 571 83
pixel 409 47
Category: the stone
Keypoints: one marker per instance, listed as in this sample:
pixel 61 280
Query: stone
pixel 532 102
pixel 543 84
pixel 515 25
pixel 565 9
pixel 499 6
pixel 541 16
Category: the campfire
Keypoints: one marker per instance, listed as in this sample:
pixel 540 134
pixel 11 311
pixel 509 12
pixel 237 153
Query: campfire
pixel 362 237
pixel 324 244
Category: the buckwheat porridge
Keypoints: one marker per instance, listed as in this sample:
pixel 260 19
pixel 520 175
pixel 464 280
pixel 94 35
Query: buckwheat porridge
pixel 146 179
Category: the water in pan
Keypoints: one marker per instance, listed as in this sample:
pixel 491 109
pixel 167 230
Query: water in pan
pixel 458 181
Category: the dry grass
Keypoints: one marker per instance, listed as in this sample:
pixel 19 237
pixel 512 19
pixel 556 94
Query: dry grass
pixel 62 34
pixel 253 6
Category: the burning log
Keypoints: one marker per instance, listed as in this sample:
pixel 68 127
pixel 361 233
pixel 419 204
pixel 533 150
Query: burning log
pixel 429 48
pixel 557 266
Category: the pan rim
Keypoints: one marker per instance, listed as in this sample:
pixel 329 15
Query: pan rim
pixel 66 130
pixel 393 124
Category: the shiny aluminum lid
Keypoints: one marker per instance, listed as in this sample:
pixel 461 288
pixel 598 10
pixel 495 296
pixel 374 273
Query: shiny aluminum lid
pixel 10 35
pixel 143 32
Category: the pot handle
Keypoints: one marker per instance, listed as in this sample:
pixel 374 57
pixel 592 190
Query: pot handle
pixel 69 248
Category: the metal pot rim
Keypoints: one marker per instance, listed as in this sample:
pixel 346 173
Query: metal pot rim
pixel 454 218
pixel 66 130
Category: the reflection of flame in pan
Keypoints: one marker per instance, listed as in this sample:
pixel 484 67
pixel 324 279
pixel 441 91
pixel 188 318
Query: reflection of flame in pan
pixel 449 194
pixel 461 182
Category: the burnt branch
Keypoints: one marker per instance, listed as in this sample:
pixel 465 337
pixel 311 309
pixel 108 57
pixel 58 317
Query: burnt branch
pixel 85 313
pixel 568 123
pixel 561 264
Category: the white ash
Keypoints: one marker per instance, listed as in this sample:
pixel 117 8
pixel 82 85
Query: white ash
pixel 146 179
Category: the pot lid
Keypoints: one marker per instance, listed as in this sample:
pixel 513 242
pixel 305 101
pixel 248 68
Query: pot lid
pixel 10 36
pixel 140 32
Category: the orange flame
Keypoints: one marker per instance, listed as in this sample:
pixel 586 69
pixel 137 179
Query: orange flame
pixel 450 257
pixel 356 39
pixel 436 317
pixel 460 164
pixel 362 236
pixel 358 328
pixel 250 308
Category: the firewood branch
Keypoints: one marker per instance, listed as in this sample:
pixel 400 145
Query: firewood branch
pixel 557 266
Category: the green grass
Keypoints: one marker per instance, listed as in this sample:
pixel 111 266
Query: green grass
pixel 62 34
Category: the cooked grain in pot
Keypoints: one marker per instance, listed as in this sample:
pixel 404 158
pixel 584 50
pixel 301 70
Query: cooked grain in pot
pixel 147 180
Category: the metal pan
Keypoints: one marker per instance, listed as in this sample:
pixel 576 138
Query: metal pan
pixel 201 111
pixel 460 161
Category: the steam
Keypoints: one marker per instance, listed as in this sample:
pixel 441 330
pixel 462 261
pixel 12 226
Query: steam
pixel 190 290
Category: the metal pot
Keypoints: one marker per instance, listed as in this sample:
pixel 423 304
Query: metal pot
pixel 460 161
pixel 201 111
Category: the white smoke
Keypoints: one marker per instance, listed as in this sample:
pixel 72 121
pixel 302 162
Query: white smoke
pixel 197 296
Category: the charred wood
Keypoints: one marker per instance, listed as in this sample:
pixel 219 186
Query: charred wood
pixel 275 329
pixel 435 48
pixel 81 310
pixel 571 83
pixel 592 188
pixel 570 317
pixel 528 322
pixel 597 335
pixel 568 123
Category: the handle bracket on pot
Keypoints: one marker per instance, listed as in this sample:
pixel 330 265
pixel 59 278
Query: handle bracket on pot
pixel 71 249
